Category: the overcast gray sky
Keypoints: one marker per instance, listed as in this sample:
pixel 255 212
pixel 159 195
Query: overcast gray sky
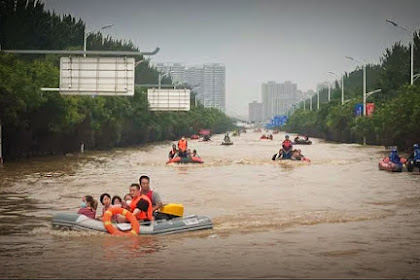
pixel 258 41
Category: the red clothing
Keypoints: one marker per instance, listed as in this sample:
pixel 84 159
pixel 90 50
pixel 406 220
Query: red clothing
pixel 287 144
pixel 87 212
pixel 149 194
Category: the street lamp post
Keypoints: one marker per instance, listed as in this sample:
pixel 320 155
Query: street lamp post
pixel 160 78
pixel 84 55
pixel 310 104
pixel 364 89
pixel 317 100
pixel 365 94
pixel 342 90
pixel 342 85
pixel 411 33
pixel 364 82
pixel 86 34
pixel 329 91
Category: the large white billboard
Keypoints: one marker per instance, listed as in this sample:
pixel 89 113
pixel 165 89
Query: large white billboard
pixel 169 99
pixel 97 76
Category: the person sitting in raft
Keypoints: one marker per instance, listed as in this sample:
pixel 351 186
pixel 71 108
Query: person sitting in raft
pixel 415 156
pixel 117 201
pixel 194 154
pixel 88 207
pixel 105 200
pixel 182 147
pixel 306 138
pixel 172 152
pixel 127 201
pixel 140 206
pixel 151 194
pixel 189 153
pixel 286 140
pixel 394 157
pixel 278 155
pixel 296 139
pixel 285 153
pixel 227 138
pixel 286 148
pixel 297 155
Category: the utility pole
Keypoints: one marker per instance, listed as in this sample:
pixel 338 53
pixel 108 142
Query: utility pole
pixel 329 91
pixel 342 90
pixel 317 101
pixel 411 33
pixel 87 33
pixel 310 104
pixel 160 79
pixel 364 89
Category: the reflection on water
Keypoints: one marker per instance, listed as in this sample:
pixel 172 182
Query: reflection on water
pixel 337 216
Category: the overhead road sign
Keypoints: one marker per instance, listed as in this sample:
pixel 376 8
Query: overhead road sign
pixel 97 76
pixel 169 99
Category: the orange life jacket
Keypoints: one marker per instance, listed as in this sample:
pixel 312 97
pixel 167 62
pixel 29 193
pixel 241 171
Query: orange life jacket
pixel 182 145
pixel 148 215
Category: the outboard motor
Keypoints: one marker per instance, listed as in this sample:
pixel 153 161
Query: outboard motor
pixel 169 211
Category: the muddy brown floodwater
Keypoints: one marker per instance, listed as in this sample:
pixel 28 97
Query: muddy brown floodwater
pixel 338 216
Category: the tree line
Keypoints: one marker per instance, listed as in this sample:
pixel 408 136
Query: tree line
pixel 396 119
pixel 44 123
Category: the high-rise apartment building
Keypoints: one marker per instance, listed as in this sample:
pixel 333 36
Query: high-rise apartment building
pixel 214 86
pixel 277 98
pixel 255 113
pixel 207 80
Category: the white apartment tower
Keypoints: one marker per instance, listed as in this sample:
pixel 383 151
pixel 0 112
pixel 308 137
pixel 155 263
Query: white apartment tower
pixel 255 112
pixel 214 86
pixel 277 98
pixel 207 80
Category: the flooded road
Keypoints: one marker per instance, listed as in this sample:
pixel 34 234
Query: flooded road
pixel 338 216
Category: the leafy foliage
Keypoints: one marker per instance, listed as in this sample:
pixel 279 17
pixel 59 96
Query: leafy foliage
pixel 37 123
pixel 396 120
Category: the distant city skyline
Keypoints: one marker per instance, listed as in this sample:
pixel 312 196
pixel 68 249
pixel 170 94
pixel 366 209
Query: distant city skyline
pixel 257 41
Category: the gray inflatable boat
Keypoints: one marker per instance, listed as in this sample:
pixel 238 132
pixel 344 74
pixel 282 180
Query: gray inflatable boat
pixel 182 224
